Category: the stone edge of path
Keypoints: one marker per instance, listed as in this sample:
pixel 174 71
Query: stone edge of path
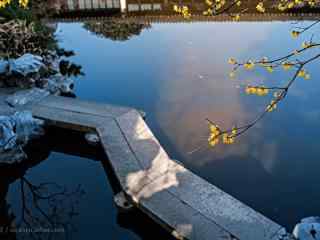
pixel 179 200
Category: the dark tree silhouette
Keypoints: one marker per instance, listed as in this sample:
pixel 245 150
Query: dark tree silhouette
pixel 116 30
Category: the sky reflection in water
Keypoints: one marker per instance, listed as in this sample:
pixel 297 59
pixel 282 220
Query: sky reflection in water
pixel 178 74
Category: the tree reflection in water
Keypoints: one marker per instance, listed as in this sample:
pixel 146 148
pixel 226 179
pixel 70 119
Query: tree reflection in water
pixel 116 30
pixel 47 209
pixel 47 205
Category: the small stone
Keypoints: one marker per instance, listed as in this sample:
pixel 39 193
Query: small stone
pixel 122 203
pixel 283 235
pixel 143 114
pixel 67 85
pixel 59 84
pixel 92 138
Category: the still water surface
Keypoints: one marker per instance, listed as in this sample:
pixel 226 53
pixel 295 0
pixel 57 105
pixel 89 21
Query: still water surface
pixel 85 209
pixel 178 74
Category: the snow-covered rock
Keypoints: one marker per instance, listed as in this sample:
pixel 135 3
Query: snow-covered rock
pixel 25 64
pixel 284 235
pixel 25 96
pixel 308 229
pixel 15 131
pixel 92 138
pixel 59 84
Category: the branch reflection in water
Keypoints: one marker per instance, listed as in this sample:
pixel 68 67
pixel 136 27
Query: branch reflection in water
pixel 47 208
pixel 59 205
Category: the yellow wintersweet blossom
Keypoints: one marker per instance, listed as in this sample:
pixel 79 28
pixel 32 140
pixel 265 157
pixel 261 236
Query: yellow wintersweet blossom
pixel 214 135
pixel 213 142
pixel 209 12
pixel 269 69
pixel 295 34
pixel 272 106
pixel 260 7
pixel 214 128
pixel 306 45
pixel 259 91
pixel 24 3
pixel 307 76
pixel 236 17
pixel 311 3
pixel 287 65
pixel 184 11
pixel 290 5
pixel 214 131
pixel 232 61
pixel 302 73
pixel 226 139
pixel 249 65
pixel 218 6
pixel 251 90
pixel 232 74
pixel 4 3
pixel 209 3
pixel 282 7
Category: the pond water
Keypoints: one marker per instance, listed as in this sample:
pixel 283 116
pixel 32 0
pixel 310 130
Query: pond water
pixel 178 74
pixel 81 194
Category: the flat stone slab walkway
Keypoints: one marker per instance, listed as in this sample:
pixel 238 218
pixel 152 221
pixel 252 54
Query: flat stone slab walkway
pixel 182 202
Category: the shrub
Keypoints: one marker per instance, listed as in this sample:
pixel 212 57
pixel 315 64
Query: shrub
pixel 18 37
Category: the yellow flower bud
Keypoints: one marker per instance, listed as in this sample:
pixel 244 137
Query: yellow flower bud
pixel 232 61
pixel 295 34
pixel 260 7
